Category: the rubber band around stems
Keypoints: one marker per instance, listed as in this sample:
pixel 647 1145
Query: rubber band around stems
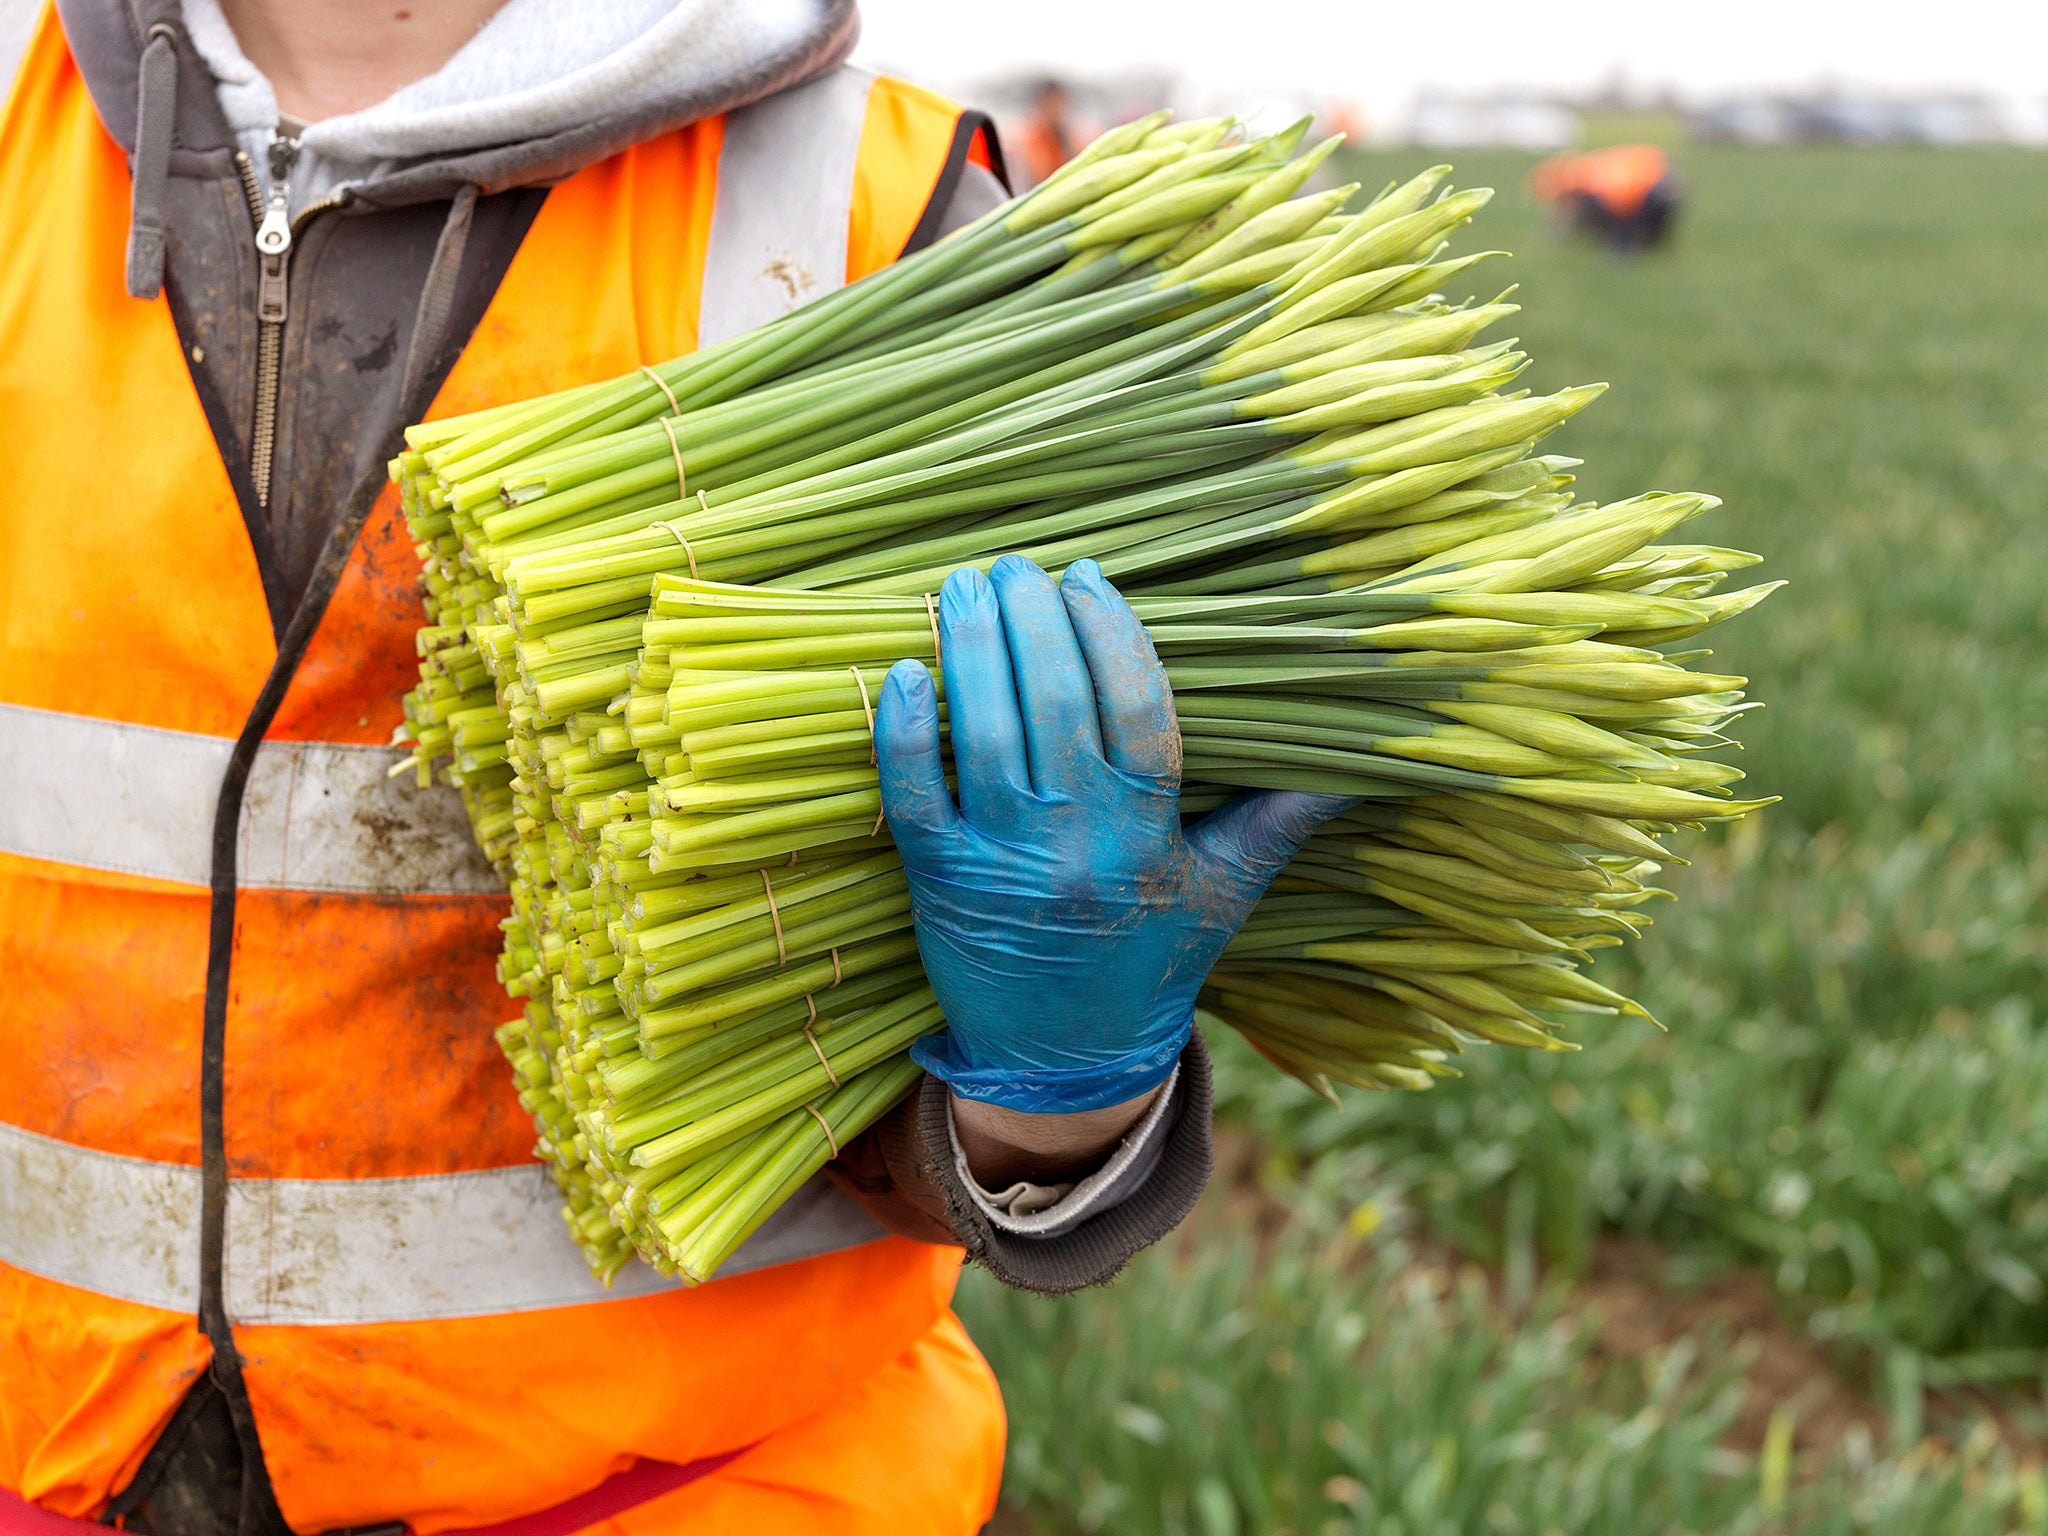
pixel 811 1003
pixel 675 449
pixel 781 949
pixel 677 534
pixel 661 384
pixel 867 709
pixel 825 1126
pixel 931 611
pixel 881 815
pixel 822 1060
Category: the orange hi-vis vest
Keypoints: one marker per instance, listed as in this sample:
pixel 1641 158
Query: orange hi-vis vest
pixel 1619 178
pixel 252 1092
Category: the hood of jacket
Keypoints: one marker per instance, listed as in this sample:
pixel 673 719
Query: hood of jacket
pixel 543 89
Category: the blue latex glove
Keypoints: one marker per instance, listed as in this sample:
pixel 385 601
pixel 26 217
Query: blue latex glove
pixel 1065 920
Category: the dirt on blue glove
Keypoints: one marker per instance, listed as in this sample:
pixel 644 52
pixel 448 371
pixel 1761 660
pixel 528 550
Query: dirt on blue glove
pixel 1065 919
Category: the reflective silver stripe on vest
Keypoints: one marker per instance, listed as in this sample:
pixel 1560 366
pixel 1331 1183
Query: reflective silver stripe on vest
pixel 317 816
pixel 18 20
pixel 785 192
pixel 321 1251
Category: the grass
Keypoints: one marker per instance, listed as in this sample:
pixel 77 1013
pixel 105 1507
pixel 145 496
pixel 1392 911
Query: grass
pixel 1316 1390
pixel 1851 348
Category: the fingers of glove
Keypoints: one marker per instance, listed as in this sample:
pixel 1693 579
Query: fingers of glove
pixel 1133 702
pixel 981 702
pixel 1255 835
pixel 1052 680
pixel 920 812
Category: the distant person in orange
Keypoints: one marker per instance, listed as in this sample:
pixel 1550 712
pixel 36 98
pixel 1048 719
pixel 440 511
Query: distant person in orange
pixel 1046 139
pixel 1625 197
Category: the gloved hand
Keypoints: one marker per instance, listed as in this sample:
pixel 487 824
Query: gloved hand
pixel 1065 921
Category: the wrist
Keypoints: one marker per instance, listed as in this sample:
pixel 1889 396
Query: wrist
pixel 1004 1145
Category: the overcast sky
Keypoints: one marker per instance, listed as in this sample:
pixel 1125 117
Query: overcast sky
pixel 1377 52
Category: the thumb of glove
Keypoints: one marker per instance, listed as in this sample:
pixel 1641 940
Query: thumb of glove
pixel 1256 834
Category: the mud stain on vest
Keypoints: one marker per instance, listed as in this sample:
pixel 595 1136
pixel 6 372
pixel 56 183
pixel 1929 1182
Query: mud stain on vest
pixel 794 278
pixel 322 816
pixel 418 842
pixel 63 1237
pixel 313 1257
pixel 343 1066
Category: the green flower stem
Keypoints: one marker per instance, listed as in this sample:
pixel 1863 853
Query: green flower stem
pixel 888 1029
pixel 848 1112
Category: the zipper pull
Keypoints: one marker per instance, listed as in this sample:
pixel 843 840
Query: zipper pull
pixel 274 234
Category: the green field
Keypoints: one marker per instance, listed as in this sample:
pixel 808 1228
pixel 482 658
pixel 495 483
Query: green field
pixel 1848 1121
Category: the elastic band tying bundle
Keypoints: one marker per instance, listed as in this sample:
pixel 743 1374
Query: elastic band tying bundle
pixel 677 534
pixel 781 949
pixel 675 449
pixel 822 1061
pixel 809 1024
pixel 825 1126
pixel 867 709
pixel 675 406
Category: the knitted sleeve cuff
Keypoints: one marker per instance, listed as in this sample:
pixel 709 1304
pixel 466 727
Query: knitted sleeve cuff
pixel 1052 1210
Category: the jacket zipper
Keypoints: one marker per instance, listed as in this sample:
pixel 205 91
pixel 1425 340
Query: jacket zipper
pixel 274 231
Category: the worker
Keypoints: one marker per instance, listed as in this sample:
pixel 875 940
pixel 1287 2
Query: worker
pixel 1045 138
pixel 274 1253
pixel 1625 196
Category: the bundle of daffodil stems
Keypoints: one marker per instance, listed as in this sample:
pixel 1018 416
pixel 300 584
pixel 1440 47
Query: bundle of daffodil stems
pixel 660 607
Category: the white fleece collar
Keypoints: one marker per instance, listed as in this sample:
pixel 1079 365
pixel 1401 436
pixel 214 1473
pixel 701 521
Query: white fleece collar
pixel 537 67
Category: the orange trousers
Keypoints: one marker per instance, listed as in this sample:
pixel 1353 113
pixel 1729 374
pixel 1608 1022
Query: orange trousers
pixel 859 1468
